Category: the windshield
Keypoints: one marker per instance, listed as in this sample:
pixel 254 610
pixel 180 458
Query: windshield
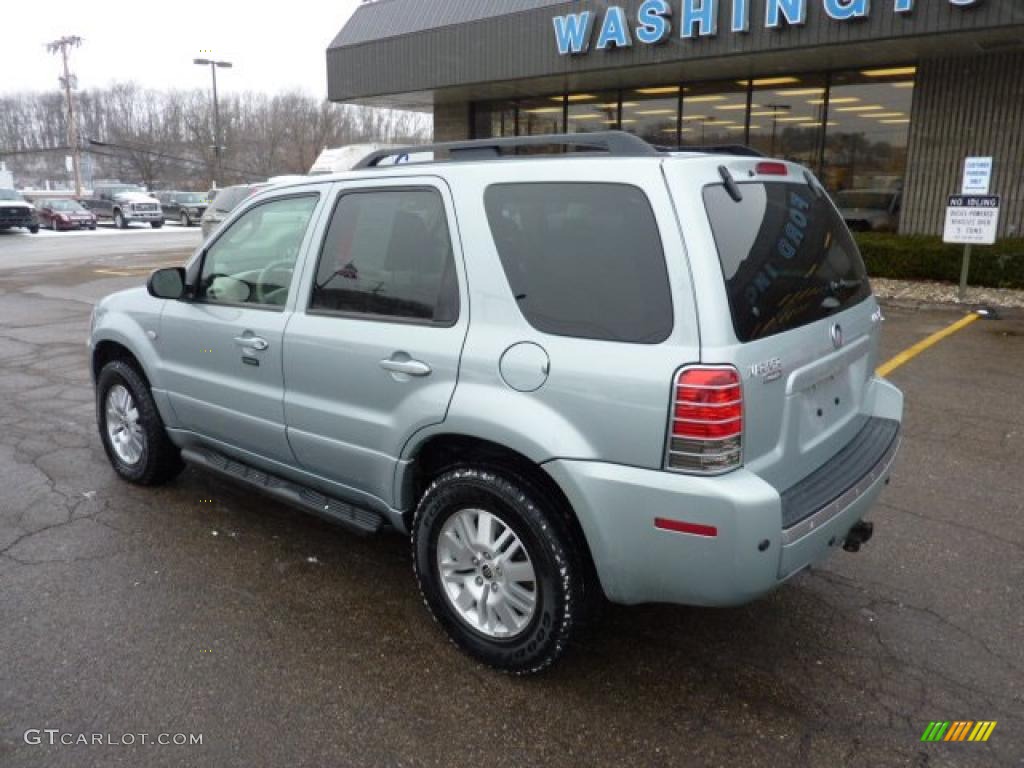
pixel 122 189
pixel 880 201
pixel 9 194
pixel 64 205
pixel 190 198
pixel 787 257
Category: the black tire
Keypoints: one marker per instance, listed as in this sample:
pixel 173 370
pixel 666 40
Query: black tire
pixel 156 224
pixel 555 554
pixel 161 460
pixel 34 229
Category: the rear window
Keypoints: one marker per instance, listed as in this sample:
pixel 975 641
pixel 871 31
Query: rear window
pixel 583 260
pixel 228 199
pixel 787 257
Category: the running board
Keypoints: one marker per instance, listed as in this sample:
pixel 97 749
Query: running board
pixel 356 519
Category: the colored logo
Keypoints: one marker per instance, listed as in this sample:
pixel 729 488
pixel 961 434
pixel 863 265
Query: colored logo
pixel 959 730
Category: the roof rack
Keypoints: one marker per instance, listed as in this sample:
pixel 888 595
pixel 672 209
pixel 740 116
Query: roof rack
pixel 614 143
pixel 719 149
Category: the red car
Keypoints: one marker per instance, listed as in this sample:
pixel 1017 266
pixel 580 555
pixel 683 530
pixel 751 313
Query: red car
pixel 64 214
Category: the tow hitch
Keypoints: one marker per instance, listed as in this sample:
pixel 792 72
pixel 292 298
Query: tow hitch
pixel 860 534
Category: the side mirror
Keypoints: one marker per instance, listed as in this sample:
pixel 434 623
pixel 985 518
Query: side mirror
pixel 167 283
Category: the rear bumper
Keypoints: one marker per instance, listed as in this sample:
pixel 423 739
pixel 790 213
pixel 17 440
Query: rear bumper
pixel 750 554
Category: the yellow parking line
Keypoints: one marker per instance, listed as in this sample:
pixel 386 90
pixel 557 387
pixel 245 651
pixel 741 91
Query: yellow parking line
pixel 910 353
pixel 144 269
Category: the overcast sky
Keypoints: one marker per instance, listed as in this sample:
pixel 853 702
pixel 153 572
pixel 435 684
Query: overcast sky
pixel 274 46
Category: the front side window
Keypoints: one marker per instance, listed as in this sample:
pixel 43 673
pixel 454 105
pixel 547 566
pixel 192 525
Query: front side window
pixel 388 255
pixel 253 262
pixel 583 260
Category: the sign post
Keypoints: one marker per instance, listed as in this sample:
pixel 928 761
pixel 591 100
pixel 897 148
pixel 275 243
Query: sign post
pixel 977 176
pixel 971 220
pixel 973 215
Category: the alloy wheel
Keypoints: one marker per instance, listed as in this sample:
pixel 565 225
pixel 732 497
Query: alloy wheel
pixel 487 574
pixel 123 428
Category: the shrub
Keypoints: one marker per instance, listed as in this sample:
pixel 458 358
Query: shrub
pixel 925 257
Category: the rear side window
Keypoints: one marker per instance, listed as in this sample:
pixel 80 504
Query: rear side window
pixel 787 257
pixel 388 254
pixel 583 260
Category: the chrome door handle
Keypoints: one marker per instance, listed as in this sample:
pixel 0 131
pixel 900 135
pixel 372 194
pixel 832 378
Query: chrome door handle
pixel 408 367
pixel 252 342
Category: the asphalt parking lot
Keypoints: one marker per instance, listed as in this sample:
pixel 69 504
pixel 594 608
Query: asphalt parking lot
pixel 203 609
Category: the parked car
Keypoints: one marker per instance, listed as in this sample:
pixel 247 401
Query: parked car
pixel 185 207
pixel 223 203
pixel 125 204
pixel 16 211
pixel 665 390
pixel 870 210
pixel 63 214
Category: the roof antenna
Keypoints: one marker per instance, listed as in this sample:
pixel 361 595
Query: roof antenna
pixel 730 184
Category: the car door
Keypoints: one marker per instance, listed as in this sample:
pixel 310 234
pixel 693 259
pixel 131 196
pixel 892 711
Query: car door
pixel 222 348
pixel 374 354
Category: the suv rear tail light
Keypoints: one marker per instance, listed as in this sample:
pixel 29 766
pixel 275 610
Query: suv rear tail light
pixel 705 433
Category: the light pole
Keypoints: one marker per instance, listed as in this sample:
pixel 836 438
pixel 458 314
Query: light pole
pixel 69 83
pixel 214 65
pixel 776 108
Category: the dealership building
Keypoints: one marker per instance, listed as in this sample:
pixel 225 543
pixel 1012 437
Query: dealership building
pixel 876 96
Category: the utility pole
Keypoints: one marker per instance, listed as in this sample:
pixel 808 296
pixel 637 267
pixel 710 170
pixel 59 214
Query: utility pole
pixel 69 82
pixel 217 147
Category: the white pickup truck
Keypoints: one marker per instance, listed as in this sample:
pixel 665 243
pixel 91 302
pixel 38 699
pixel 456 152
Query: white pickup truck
pixel 15 211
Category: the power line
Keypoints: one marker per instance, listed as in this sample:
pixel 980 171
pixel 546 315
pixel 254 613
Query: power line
pixel 165 156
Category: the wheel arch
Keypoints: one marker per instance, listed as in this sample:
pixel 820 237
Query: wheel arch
pixel 108 350
pixel 437 453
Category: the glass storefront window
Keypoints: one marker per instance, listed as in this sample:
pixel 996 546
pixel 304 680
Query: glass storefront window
pixel 714 113
pixel 786 115
pixel 849 127
pixel 652 114
pixel 540 116
pixel 589 112
pixel 494 119
pixel 868 128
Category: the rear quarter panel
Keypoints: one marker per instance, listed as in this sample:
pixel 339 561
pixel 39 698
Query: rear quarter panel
pixel 602 400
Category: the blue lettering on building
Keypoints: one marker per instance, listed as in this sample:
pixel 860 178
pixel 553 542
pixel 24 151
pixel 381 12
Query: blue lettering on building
pixel 614 30
pixel 572 32
pixel 700 18
pixel 841 10
pixel 652 25
pixel 793 11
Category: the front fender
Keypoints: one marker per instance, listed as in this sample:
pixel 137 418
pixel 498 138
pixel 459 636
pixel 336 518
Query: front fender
pixel 131 320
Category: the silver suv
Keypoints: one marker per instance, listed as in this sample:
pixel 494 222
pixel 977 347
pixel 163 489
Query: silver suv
pixel 614 372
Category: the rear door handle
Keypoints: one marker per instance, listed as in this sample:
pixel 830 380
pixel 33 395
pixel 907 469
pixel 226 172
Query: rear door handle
pixel 252 342
pixel 408 367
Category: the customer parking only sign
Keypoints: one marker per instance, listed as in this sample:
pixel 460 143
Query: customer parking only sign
pixel 972 219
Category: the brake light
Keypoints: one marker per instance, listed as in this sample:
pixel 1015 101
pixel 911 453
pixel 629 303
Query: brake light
pixel 772 169
pixel 706 421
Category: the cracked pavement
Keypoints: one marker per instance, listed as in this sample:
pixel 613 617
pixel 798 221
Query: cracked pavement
pixel 202 608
